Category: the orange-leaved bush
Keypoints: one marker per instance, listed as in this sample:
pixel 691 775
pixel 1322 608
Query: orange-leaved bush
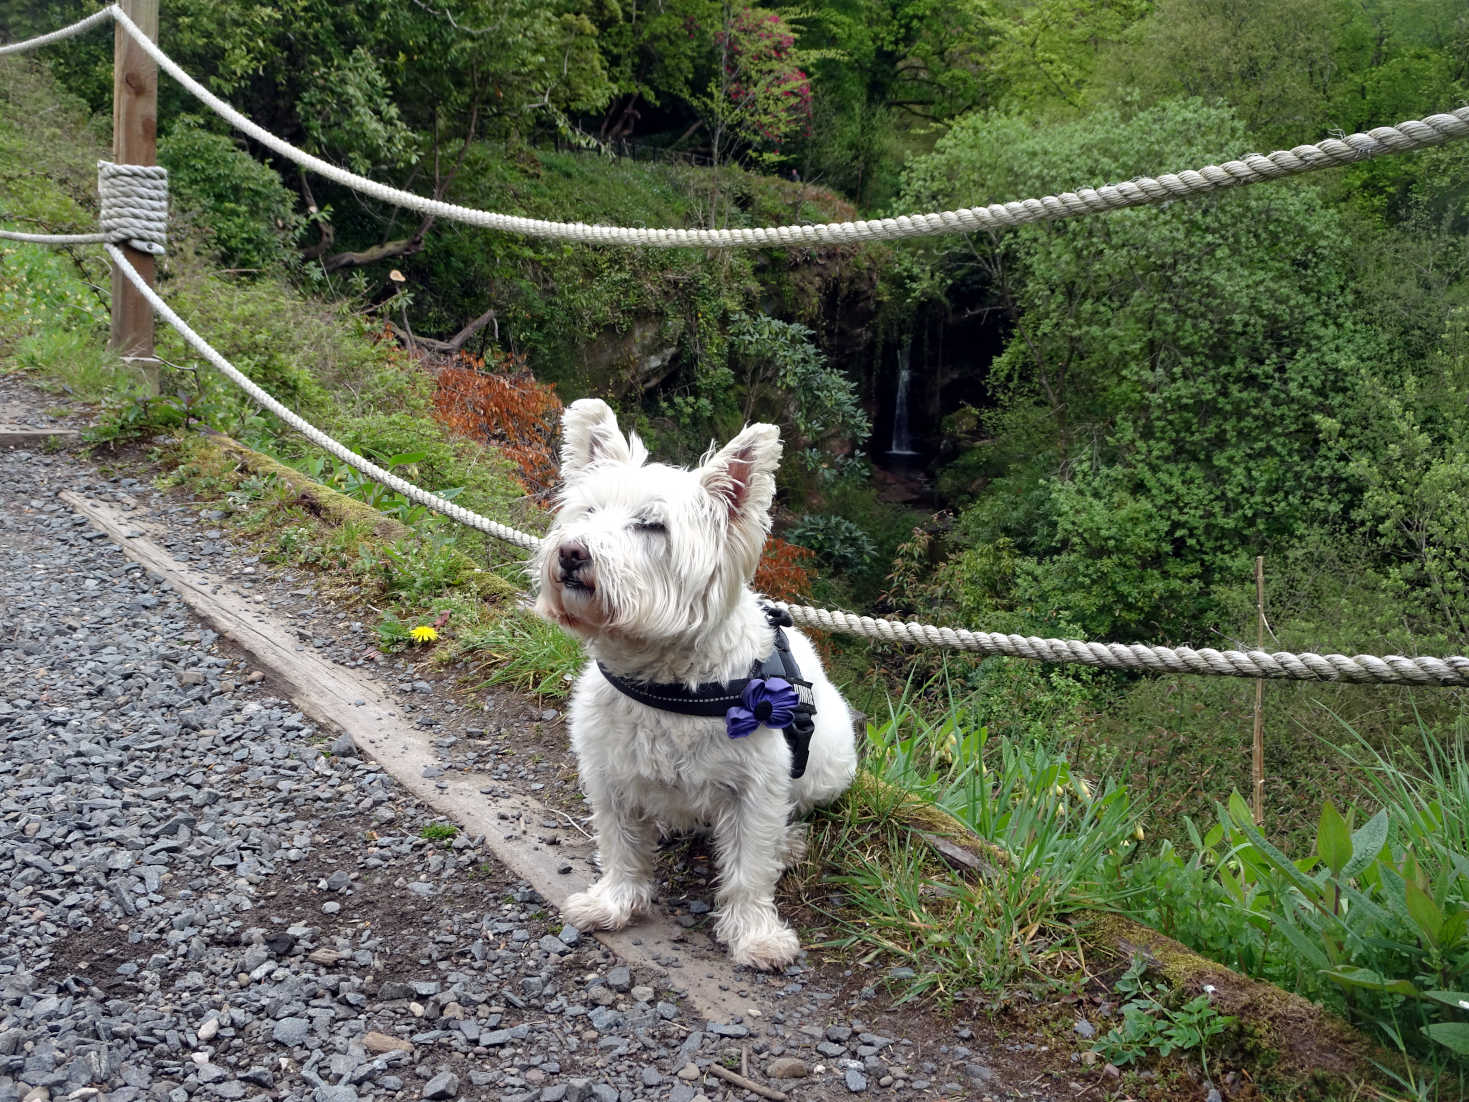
pixel 512 411
pixel 784 571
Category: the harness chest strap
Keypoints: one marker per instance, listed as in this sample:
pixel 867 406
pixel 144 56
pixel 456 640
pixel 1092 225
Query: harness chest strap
pixel 715 699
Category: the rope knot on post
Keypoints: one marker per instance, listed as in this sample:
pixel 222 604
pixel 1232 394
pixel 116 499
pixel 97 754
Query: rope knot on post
pixel 134 205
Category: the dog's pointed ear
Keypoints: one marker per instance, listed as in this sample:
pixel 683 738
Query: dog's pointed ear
pixel 589 434
pixel 741 476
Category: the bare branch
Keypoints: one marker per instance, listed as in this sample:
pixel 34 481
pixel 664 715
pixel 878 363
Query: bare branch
pixel 451 346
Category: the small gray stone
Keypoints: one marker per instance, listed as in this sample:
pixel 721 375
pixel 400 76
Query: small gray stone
pixel 856 1081
pixel 291 1031
pixel 443 1085
pixel 604 1018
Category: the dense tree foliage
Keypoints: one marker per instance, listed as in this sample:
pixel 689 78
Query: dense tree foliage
pixel 1145 400
pixel 1156 402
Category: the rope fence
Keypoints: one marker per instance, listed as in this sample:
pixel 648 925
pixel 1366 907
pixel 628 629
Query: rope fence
pixel 1253 168
pixel 1282 666
pixel 438 504
pixel 134 209
pixel 79 27
pixel 1413 134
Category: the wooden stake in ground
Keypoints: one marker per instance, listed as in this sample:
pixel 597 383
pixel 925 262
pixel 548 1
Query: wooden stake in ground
pixel 134 142
pixel 1258 771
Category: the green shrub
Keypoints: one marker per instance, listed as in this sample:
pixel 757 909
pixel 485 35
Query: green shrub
pixel 837 542
pixel 782 367
pixel 239 204
pixel 1158 393
pixel 1374 920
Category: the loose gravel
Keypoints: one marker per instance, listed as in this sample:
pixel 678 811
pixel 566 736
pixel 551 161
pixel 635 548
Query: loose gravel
pixel 204 896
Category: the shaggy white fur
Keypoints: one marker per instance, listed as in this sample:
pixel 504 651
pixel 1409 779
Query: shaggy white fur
pixel 650 566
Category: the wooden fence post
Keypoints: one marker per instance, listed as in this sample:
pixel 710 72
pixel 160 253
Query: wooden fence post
pixel 134 141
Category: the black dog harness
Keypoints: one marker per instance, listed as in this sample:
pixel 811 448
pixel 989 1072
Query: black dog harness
pixel 716 699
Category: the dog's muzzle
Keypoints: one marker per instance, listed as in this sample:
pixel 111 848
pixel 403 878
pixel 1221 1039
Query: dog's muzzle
pixel 574 567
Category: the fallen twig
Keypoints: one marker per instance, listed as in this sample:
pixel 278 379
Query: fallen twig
pixel 748 1084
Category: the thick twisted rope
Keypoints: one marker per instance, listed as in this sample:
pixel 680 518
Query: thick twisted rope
pixel 438 504
pixel 134 209
pixel 1279 666
pixel 54 238
pixel 56 36
pixel 1413 134
pixel 134 204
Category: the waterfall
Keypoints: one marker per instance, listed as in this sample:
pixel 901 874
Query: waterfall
pixel 902 443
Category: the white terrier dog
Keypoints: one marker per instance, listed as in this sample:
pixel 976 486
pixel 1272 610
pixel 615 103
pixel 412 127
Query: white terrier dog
pixel 651 566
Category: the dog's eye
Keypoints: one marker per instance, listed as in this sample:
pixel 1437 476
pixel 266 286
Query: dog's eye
pixel 650 526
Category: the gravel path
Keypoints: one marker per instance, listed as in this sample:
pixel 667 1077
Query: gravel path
pixel 203 896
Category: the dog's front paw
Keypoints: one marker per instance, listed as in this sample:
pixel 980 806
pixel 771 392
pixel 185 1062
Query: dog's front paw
pixel 767 952
pixel 604 906
pixel 756 936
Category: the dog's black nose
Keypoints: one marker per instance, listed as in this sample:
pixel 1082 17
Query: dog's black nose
pixel 572 556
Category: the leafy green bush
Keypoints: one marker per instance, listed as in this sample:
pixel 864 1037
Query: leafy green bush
pixel 1374 920
pixel 1156 423
pixel 837 542
pixel 240 204
pixel 782 366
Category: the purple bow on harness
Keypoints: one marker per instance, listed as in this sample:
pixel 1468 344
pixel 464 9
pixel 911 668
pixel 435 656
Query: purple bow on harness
pixel 770 701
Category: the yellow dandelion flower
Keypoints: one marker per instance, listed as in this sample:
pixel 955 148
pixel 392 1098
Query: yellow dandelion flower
pixel 423 634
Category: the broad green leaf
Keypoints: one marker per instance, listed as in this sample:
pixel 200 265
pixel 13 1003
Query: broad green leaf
pixel 1425 911
pixel 1367 842
pixel 1459 1000
pixel 1452 1035
pixel 1239 811
pixel 1333 839
pixel 1311 952
pixel 1453 930
pixel 1231 885
pixel 1392 892
pixel 1373 981
pixel 1241 815
pixel 1363 908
